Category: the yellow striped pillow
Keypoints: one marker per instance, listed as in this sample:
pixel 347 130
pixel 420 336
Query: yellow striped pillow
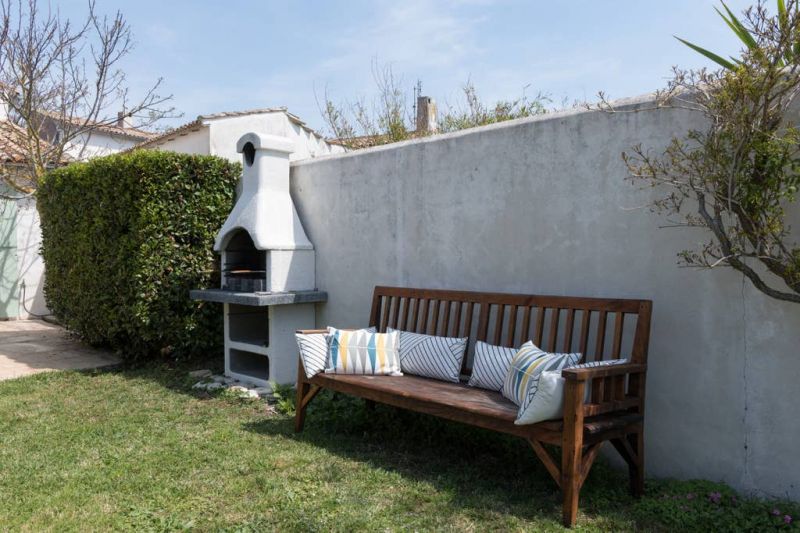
pixel 522 380
pixel 363 352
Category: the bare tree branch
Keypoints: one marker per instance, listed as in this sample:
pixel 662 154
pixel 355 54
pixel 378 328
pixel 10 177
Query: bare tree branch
pixel 63 81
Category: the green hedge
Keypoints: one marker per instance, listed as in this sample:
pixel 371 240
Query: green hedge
pixel 124 238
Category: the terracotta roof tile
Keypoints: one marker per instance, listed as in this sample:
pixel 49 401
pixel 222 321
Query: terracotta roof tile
pixel 12 144
pixel 12 139
pixel 133 133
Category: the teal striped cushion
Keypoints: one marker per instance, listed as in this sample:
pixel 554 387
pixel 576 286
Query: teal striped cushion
pixel 522 380
pixel 314 350
pixel 363 352
pixel 548 402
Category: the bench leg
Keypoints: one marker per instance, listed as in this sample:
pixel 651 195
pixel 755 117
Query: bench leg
pixel 631 448
pixel 572 451
pixel 370 405
pixel 572 457
pixel 305 393
pixel 636 468
pixel 300 409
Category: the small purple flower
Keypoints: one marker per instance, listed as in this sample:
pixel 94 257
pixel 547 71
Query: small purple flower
pixel 715 498
pixel 690 496
pixel 787 519
pixel 776 512
pixel 733 499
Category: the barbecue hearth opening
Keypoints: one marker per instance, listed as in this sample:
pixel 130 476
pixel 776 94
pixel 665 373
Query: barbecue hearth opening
pixel 245 267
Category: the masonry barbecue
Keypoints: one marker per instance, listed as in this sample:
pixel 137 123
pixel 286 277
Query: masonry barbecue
pixel 268 269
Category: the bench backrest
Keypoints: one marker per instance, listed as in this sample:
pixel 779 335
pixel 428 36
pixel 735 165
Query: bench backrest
pixel 598 328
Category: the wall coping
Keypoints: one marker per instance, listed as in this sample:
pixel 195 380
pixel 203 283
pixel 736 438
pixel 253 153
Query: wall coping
pixel 623 104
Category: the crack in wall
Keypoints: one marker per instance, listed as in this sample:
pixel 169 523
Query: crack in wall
pixel 746 481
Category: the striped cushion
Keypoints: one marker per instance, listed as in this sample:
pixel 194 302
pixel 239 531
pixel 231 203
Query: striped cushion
pixel 522 380
pixel 490 366
pixel 314 351
pixel 431 356
pixel 363 352
pixel 548 403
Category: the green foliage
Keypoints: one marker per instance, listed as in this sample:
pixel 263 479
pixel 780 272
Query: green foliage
pixel 749 34
pixel 738 177
pixel 479 114
pixel 705 506
pixel 285 398
pixel 388 119
pixel 124 239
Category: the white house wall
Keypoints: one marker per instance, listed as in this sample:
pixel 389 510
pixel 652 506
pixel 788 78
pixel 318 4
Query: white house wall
pixel 98 144
pixel 29 262
pixel 193 142
pixel 226 131
pixel 541 206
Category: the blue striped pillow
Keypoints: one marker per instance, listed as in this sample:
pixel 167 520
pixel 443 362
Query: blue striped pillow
pixel 431 356
pixel 490 365
pixel 548 402
pixel 522 380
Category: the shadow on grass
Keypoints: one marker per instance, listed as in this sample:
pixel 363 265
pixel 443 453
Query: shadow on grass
pixel 483 470
pixel 172 376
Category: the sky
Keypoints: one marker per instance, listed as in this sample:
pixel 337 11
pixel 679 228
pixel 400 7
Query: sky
pixel 226 55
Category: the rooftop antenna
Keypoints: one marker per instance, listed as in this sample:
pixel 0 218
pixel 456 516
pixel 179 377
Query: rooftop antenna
pixel 417 94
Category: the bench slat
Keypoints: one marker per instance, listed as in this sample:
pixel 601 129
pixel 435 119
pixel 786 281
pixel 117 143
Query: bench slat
pixel 537 336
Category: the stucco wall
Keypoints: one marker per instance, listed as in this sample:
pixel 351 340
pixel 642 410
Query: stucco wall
pixel 29 261
pixel 540 206
pixel 21 266
pixel 194 142
pixel 98 144
pixel 225 132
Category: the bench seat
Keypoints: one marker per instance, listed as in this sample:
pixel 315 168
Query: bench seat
pixel 462 403
pixel 459 395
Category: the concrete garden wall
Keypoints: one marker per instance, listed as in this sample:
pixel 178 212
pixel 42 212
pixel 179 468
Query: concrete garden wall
pixel 540 206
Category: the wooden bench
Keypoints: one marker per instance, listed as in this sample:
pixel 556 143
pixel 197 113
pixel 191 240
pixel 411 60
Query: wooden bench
pixel 596 327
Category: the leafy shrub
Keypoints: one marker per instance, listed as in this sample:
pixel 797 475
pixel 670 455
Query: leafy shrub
pixel 124 239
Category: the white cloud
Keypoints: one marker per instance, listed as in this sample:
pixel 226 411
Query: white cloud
pixel 418 33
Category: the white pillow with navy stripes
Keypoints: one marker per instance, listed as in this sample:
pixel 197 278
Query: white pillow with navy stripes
pixel 431 356
pixel 314 351
pixel 490 365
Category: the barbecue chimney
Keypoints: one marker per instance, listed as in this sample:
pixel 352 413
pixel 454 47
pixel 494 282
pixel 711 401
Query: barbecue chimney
pixel 278 250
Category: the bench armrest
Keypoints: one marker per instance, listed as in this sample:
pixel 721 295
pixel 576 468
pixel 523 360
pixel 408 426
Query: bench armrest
pixel 586 374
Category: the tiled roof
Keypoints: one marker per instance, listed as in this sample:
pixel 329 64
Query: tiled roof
pixel 12 144
pixel 133 133
pixel 109 129
pixel 197 123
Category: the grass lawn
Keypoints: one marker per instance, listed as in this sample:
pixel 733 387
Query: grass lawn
pixel 139 450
